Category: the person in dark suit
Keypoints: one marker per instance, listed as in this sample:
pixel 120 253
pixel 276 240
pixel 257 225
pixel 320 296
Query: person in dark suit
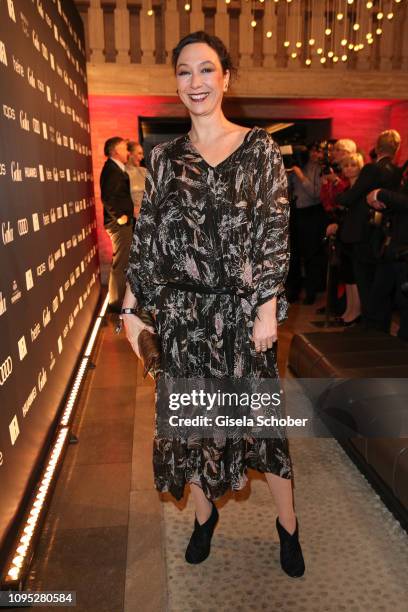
pixel 356 229
pixel 117 215
pixel 390 282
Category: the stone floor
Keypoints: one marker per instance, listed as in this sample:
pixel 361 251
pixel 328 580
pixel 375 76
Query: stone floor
pixel 110 537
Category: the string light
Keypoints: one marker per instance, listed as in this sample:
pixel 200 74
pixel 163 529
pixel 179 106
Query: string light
pixel 338 22
pixel 187 7
pixel 150 12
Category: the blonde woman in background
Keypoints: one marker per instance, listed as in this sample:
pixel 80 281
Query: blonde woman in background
pixel 137 174
pixel 351 165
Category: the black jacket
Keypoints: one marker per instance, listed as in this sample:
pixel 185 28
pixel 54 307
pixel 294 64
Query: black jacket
pixel 383 174
pixel 115 193
pixel 397 213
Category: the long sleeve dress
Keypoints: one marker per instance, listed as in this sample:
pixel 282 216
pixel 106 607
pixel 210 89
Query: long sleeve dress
pixel 213 226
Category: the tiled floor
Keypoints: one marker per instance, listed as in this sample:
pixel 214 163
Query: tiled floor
pixel 110 537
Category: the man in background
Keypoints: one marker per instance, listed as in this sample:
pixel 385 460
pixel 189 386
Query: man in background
pixel 117 215
pixel 356 229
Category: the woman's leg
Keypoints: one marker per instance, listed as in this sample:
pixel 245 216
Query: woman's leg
pixel 349 303
pixel 281 489
pixel 202 504
pixel 354 310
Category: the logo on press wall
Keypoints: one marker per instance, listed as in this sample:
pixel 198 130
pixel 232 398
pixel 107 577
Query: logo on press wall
pixel 42 379
pixel 16 173
pixel 9 112
pixel 11 11
pixel 15 292
pixel 3 305
pixel 22 348
pixel 36 223
pixel 6 369
pixel 29 279
pixel 3 55
pixel 7 232
pixel 14 430
pixel 46 316
pixel 22 225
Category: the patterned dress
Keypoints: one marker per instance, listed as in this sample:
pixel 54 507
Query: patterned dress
pixel 213 226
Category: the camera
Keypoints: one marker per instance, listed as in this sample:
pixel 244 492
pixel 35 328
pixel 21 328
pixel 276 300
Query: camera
pixel 293 155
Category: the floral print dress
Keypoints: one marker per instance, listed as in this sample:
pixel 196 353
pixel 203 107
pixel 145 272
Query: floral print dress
pixel 213 226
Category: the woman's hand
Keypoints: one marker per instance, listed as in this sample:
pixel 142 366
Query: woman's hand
pixel 133 326
pixel 265 329
pixel 298 173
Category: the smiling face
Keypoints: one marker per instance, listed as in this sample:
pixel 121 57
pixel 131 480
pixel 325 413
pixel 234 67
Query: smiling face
pixel 136 156
pixel 200 79
pixel 350 167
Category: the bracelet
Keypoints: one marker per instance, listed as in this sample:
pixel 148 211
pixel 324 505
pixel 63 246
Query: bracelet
pixel 128 311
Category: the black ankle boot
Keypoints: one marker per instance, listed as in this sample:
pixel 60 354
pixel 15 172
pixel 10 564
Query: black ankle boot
pixel 198 548
pixel 291 557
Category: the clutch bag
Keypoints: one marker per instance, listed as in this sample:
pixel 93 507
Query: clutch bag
pixel 148 344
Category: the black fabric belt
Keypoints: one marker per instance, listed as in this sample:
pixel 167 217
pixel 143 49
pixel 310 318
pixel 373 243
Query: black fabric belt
pixel 209 290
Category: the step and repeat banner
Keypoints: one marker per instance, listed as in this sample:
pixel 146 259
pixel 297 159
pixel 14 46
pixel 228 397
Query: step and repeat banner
pixel 49 270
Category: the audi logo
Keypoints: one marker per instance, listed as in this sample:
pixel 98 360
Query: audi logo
pixel 6 369
pixel 22 226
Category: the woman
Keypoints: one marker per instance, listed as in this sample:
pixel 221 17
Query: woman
pixel 350 169
pixel 214 224
pixel 137 174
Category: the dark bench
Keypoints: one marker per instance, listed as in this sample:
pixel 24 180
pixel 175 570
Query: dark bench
pixel 353 410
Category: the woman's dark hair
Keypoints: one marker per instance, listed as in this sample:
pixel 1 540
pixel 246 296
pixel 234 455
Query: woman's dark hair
pixel 212 41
